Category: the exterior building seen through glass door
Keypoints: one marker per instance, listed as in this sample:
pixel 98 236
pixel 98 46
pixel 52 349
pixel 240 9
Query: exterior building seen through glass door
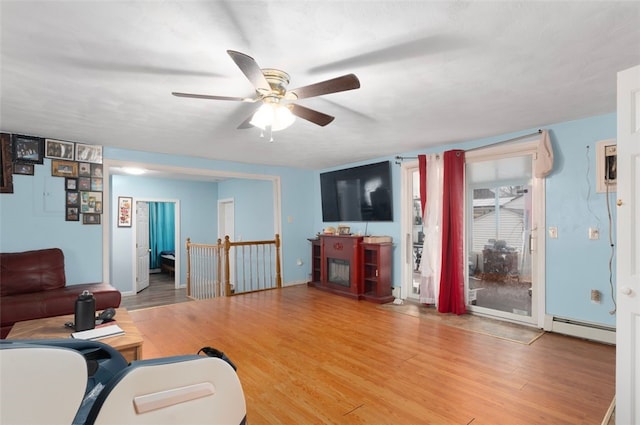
pixel 499 222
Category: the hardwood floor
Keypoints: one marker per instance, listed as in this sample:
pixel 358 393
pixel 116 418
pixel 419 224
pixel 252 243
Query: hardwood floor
pixel 161 291
pixel 308 357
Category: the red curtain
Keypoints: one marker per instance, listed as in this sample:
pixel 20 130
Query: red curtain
pixel 451 298
pixel 422 169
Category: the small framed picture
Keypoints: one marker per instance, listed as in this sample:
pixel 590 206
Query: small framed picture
pixel 84 184
pixel 84 169
pixel 90 218
pixel 61 168
pixel 73 198
pixel 28 149
pixel 344 230
pixel 96 170
pixel 58 149
pixel 6 168
pixel 24 169
pixel 89 153
pixel 125 205
pixel 96 184
pixel 71 183
pixel 90 202
pixel 72 214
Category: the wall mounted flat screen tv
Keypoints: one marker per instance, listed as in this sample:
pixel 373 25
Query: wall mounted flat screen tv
pixel 357 194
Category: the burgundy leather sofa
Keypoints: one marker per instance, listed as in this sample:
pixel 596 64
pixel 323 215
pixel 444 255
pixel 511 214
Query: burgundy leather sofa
pixel 33 286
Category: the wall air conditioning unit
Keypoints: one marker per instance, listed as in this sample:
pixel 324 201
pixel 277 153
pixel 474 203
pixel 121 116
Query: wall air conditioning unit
pixel 580 329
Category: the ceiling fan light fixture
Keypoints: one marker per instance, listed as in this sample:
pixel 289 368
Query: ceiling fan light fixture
pixel 273 115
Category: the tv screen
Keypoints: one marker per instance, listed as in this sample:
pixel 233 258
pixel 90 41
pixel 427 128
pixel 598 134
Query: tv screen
pixel 357 194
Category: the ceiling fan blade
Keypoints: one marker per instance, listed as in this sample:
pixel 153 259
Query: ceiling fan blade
pixel 311 115
pixel 349 110
pixel 346 82
pixel 395 52
pixel 251 70
pixel 211 97
pixel 246 123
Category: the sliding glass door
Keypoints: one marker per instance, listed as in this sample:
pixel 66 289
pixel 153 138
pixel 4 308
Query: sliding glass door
pixel 500 214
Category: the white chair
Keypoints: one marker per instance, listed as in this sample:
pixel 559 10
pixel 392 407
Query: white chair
pixel 186 390
pixel 87 382
pixel 40 384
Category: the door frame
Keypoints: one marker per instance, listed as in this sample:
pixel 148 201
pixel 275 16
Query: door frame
pixel 627 283
pixel 136 233
pixel 406 227
pixel 222 203
pixel 176 208
pixel 527 146
pixel 222 215
pixel 196 174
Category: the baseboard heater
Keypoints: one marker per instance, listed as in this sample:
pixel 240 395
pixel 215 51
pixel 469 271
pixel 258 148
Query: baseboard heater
pixel 586 330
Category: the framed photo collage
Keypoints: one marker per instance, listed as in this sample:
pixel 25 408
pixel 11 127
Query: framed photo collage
pixel 81 166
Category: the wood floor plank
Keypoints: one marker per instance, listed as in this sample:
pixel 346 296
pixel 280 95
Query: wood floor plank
pixel 309 357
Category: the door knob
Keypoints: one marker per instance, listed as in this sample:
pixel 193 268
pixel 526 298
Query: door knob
pixel 626 290
pixel 619 203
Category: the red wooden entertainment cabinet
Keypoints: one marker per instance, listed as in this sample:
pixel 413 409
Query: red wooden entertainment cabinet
pixel 346 265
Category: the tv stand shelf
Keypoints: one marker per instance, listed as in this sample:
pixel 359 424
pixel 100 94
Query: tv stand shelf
pixel 347 266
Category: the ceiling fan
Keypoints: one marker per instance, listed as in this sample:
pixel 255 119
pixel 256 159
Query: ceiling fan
pixel 277 109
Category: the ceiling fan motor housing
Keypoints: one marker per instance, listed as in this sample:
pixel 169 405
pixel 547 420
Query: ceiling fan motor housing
pixel 277 79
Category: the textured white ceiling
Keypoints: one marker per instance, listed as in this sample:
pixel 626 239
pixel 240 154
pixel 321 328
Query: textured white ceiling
pixel 432 73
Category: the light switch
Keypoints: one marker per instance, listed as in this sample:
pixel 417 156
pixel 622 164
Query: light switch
pixel 553 232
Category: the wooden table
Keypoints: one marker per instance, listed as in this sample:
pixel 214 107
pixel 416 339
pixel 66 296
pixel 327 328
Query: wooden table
pixel 129 344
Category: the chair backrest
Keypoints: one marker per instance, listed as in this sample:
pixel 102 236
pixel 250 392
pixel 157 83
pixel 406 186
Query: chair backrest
pixel 40 384
pixel 185 389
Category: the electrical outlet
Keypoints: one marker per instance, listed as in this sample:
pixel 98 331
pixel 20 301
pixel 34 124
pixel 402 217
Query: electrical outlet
pixel 594 233
pixel 553 232
pixel 595 296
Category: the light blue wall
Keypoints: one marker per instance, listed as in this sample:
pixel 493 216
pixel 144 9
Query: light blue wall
pixel 197 203
pixel 33 217
pixel 574 264
pixel 253 208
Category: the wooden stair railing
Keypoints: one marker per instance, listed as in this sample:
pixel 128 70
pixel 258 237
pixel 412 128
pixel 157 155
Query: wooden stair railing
pixel 231 268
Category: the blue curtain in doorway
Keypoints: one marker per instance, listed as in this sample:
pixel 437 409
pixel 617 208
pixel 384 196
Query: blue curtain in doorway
pixel 161 230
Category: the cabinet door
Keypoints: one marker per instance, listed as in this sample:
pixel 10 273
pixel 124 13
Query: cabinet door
pixel 371 273
pixel 377 272
pixel 316 261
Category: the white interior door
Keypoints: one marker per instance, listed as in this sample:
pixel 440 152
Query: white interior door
pixel 628 252
pixel 226 226
pixel 142 246
pixel 226 223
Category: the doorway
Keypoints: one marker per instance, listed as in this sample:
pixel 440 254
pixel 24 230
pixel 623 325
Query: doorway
pixel 503 209
pixel 157 235
pixel 226 227
pixel 412 224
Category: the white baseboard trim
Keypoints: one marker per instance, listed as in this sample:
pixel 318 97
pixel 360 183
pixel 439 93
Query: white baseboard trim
pixel 581 329
pixel 295 282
